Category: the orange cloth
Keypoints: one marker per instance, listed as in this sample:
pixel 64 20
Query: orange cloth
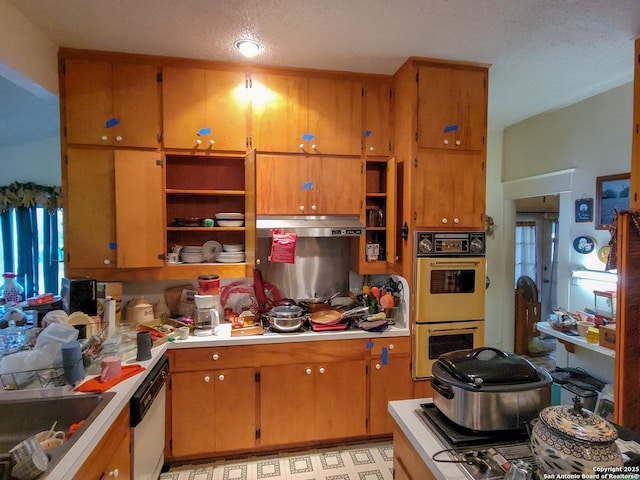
pixel 95 385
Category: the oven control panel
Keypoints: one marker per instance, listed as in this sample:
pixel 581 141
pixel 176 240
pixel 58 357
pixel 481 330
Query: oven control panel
pixel 435 244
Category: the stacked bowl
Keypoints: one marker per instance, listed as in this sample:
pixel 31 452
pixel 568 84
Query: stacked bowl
pixel 192 254
pixel 230 219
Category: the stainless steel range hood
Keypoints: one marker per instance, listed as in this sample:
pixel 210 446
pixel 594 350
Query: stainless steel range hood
pixel 311 226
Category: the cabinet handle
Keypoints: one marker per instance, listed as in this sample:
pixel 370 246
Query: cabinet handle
pixel 301 146
pixel 314 207
pixel 308 371
pixel 372 148
pixel 106 261
pixel 391 346
pixel 114 473
pixel 378 366
pixel 211 142
pixel 198 142
pixel 321 369
pixel 458 142
pixel 221 377
pixel 456 220
pixel 314 147
pixel 104 138
pixel 215 356
pixel 446 142
pixel 207 379
pixel 118 138
pixel 301 207
pixel 444 220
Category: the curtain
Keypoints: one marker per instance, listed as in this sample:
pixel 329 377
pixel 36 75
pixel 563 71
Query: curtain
pixel 526 263
pixel 31 253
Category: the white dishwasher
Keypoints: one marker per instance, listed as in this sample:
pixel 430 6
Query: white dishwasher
pixel 147 423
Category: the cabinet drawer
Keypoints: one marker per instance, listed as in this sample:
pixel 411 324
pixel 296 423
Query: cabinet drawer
pixel 208 358
pixel 393 345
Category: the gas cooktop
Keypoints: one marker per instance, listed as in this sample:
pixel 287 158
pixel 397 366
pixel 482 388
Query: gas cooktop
pixel 482 455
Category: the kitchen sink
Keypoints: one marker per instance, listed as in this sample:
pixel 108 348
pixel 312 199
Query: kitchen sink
pixel 24 417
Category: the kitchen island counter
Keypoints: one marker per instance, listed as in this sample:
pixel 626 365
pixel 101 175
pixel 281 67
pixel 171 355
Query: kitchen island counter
pixel 421 439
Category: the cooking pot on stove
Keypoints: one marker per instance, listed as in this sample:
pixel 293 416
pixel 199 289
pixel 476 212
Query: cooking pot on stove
pixel 486 389
pixel 570 439
pixel 286 318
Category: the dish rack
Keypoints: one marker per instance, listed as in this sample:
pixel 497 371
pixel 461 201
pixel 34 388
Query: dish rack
pixel 30 379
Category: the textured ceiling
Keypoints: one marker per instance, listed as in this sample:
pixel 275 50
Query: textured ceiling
pixel 544 54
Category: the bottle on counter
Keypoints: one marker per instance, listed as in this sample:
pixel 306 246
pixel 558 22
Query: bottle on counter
pixel 11 291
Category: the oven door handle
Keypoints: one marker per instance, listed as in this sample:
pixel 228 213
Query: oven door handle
pixel 445 390
pixel 453 264
pixel 450 331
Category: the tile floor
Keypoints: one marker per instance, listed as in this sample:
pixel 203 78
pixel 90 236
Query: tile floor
pixel 370 461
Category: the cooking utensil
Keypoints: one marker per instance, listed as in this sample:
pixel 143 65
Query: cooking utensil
pixel 331 317
pixel 287 318
pixel 469 384
pixel 572 440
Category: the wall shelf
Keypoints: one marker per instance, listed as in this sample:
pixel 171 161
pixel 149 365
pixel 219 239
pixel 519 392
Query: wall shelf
pixel 574 340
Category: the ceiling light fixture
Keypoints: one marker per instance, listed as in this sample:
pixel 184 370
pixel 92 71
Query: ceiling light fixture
pixel 248 48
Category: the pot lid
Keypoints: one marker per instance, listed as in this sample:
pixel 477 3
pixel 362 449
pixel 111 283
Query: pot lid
pixel 488 366
pixel 286 311
pixel 576 422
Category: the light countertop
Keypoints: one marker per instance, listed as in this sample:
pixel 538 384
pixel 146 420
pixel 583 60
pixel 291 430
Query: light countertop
pixel 77 454
pixel 422 438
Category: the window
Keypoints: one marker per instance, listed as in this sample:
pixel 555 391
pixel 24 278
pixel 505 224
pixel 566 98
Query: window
pixel 526 250
pixel 31 237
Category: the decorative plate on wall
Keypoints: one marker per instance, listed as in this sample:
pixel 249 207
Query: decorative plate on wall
pixel 584 244
pixel 603 253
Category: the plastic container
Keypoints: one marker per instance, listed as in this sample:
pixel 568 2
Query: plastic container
pixel 208 285
pixel 57 333
pixel 11 291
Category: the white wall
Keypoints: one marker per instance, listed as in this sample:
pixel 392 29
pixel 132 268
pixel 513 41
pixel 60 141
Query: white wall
pixel 37 161
pixel 555 152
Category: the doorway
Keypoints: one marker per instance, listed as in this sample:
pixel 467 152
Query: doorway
pixel 536 267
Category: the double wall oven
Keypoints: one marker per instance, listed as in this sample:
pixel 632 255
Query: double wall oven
pixel 449 296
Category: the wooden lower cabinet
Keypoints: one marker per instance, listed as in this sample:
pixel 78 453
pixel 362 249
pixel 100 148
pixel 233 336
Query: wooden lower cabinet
pixel 112 456
pixel 407 464
pixel 247 397
pixel 306 402
pixel 388 380
pixel 213 411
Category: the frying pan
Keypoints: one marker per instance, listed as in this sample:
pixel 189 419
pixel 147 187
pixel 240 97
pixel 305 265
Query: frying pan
pixel 331 317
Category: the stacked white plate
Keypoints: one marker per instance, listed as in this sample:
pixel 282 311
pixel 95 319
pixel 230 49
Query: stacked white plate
pixel 233 247
pixel 232 219
pixel 230 257
pixel 192 254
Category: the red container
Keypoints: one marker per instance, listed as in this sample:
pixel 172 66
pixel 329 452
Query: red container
pixel 208 285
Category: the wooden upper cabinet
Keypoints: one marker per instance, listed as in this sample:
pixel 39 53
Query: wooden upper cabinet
pixel 113 214
pixel 335 116
pixel 377 118
pixel 452 112
pixel 292 113
pixel 450 189
pixel 111 103
pixel 308 185
pixel 204 109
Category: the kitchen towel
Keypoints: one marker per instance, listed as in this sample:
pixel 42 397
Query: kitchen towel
pixel 96 386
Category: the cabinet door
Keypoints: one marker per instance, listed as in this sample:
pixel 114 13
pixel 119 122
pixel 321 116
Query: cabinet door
pixel 388 382
pixel 183 107
pixel 193 410
pixel 451 108
pixel 136 105
pixel 450 190
pixel 337 185
pixel 88 101
pixel 226 110
pixel 340 399
pixel 281 185
pixel 335 116
pixel 234 424
pixel 287 404
pixel 119 466
pixel 139 218
pixel 280 115
pixel 377 118
pixel 89 211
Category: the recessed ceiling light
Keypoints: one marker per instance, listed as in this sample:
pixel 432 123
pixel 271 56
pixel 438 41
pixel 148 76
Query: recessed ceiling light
pixel 248 48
